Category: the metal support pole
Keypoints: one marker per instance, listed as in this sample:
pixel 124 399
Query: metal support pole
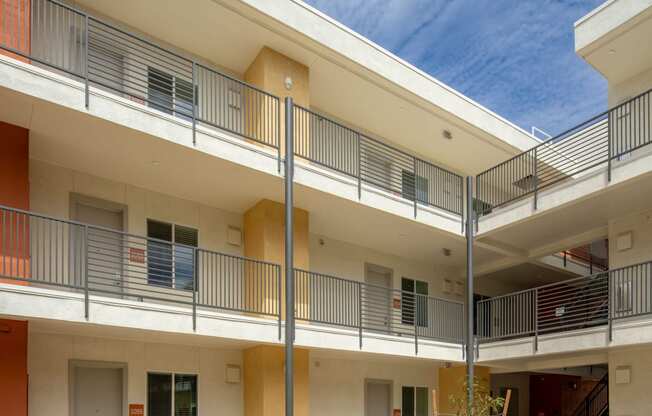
pixel 360 313
pixel 469 291
pixel 610 314
pixel 86 83
pixel 536 320
pixel 194 289
pixel 359 171
pixel 86 299
pixel 416 328
pixel 289 266
pixel 414 164
pixel 194 105
pixel 278 144
pixel 280 299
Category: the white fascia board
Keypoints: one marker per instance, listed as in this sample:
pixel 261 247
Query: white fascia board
pixel 350 46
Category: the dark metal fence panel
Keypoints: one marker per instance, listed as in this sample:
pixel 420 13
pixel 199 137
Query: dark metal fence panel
pixel 438 187
pixel 326 299
pixel 139 268
pixel 237 107
pixel 614 134
pixel 629 125
pixel 41 250
pixel 139 70
pixel 631 291
pixel 237 284
pixel 325 142
pixel 573 304
pixel 44 32
pixel 49 33
pixel 330 144
pixel 507 316
pixel 331 300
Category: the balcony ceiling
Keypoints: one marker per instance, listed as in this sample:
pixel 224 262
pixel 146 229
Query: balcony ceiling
pixel 615 40
pixel 229 34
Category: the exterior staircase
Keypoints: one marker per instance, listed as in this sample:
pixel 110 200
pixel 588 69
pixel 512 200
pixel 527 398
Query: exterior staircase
pixel 596 403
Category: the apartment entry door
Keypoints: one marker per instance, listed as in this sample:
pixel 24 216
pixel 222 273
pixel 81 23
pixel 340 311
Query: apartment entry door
pixel 378 398
pixel 105 248
pixel 97 390
pixel 377 298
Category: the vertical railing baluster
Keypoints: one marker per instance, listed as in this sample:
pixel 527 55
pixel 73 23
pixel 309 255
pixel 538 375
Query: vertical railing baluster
pixel 195 264
pixel 86 298
pixel 86 64
pixel 360 315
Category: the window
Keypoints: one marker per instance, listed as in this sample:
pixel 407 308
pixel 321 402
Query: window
pixel 415 401
pixel 409 302
pixel 166 392
pixel 408 186
pixel 169 94
pixel 169 264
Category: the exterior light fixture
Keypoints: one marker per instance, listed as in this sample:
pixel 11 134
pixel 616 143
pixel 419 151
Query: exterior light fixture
pixel 288 82
pixel 446 134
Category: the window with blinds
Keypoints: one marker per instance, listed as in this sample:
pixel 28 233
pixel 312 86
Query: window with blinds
pixel 170 254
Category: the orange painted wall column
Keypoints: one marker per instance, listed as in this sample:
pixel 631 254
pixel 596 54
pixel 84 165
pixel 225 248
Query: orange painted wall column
pixel 15 30
pixel 13 367
pixel 14 192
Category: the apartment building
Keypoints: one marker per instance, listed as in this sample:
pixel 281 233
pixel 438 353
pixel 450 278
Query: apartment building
pixel 142 220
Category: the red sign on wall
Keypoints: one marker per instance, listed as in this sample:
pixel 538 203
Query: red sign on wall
pixel 136 409
pixel 136 255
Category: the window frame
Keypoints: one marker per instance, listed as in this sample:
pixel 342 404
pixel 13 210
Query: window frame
pixel 173 253
pixel 414 388
pixel 173 375
pixel 178 104
pixel 409 313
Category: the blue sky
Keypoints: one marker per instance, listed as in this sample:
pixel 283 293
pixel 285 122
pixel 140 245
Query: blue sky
pixel 515 57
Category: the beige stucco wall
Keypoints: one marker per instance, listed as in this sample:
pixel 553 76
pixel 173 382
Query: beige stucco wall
pixel 51 186
pixel 49 356
pixel 344 379
pixel 629 88
pixel 633 398
pixel 348 260
pixel 640 227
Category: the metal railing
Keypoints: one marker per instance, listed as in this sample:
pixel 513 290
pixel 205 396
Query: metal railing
pixel 610 136
pixel 584 302
pixel 596 403
pixel 332 145
pixel 45 251
pixel 368 308
pixel 65 39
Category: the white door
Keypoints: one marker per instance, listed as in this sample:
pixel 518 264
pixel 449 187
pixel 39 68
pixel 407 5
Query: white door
pixel 98 391
pixel 105 248
pixel 376 299
pixel 378 398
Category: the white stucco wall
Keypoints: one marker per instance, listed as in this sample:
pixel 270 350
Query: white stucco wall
pixel 337 386
pixel 49 356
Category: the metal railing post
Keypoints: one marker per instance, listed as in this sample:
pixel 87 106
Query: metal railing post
pixel 289 258
pixel 414 164
pixel 194 105
pixel 86 83
pixel 194 289
pixel 278 145
pixel 86 297
pixel 279 281
pixel 359 169
pixel 536 319
pixel 360 314
pixel 416 327
pixel 536 178
pixel 609 149
pixel 610 316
